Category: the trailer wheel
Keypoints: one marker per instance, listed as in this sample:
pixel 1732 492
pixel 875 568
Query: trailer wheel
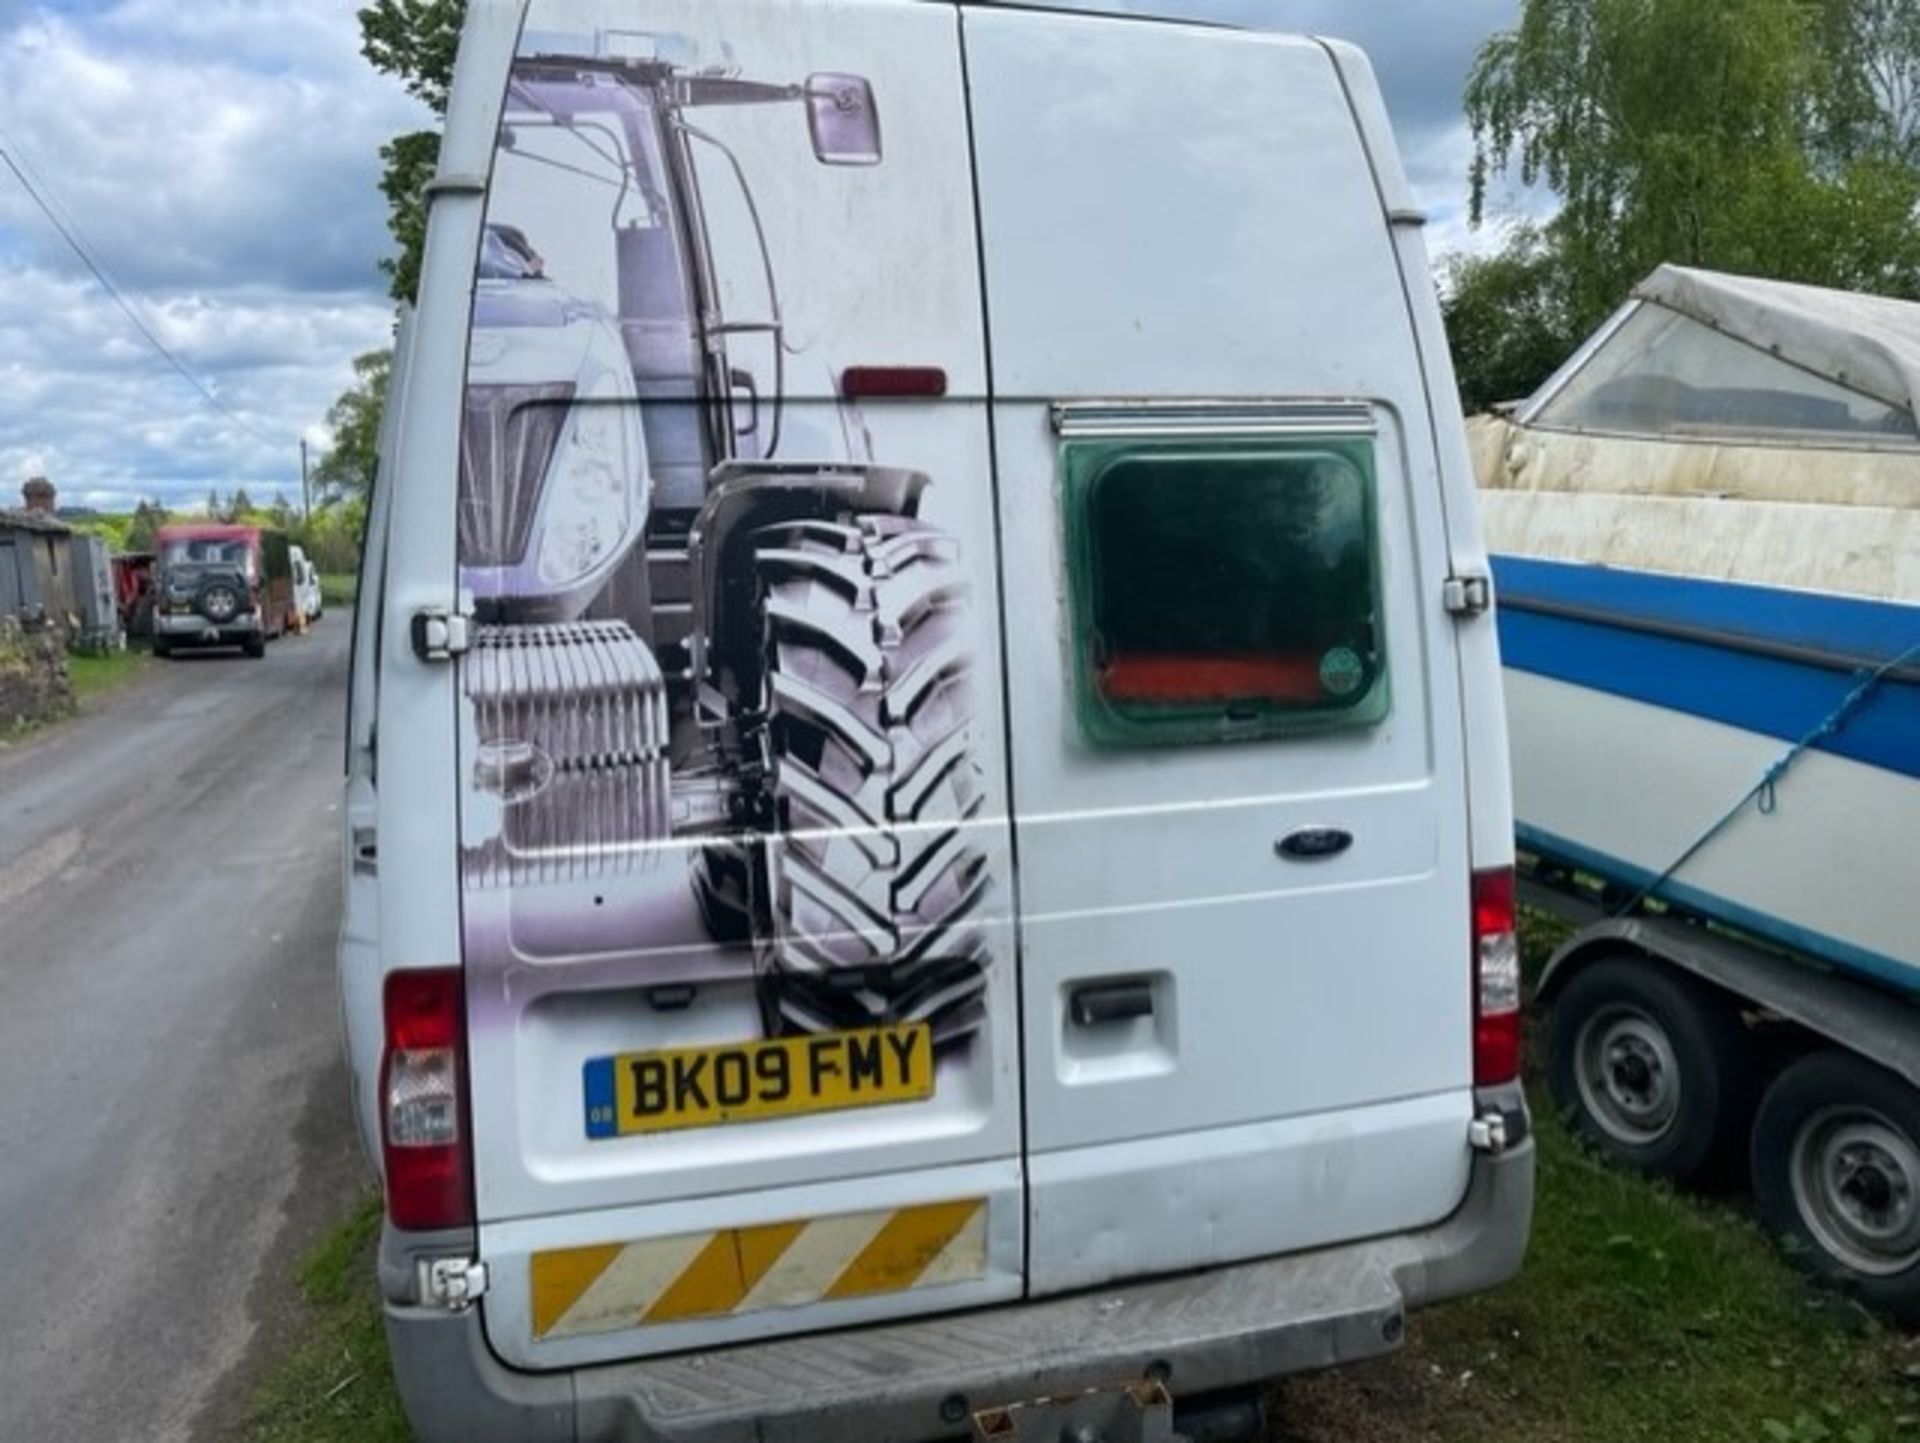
pixel 872 878
pixel 1836 1172
pixel 1656 1071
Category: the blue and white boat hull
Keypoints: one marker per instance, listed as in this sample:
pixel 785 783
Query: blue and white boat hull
pixel 1647 710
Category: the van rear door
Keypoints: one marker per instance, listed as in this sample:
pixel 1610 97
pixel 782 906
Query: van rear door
pixel 1235 706
pixel 736 879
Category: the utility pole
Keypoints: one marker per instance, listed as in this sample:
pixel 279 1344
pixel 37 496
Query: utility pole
pixel 306 490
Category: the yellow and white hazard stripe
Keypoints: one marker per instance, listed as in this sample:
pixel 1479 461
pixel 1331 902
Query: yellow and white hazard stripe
pixel 615 1286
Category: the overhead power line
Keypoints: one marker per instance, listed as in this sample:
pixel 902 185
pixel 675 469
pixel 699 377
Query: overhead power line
pixel 99 271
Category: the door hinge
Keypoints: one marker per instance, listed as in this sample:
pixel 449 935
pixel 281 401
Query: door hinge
pixel 441 635
pixel 456 1284
pixel 1488 1134
pixel 1468 595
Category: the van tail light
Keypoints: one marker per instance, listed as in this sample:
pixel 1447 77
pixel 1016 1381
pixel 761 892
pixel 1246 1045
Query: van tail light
pixel 423 1099
pixel 1496 980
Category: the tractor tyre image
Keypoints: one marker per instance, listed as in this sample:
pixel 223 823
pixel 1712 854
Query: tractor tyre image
pixel 872 879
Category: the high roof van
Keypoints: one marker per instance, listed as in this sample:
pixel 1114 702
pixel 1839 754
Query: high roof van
pixel 928 838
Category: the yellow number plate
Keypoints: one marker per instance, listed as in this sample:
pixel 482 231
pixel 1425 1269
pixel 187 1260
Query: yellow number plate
pixel 751 1081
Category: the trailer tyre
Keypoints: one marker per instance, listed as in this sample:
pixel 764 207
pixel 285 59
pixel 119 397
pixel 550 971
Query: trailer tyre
pixel 873 880
pixel 1836 1172
pixel 1654 1068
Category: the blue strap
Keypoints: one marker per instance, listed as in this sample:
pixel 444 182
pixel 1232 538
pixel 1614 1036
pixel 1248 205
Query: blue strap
pixel 1765 790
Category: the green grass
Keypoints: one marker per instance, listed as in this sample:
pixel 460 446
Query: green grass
pixel 96 676
pixel 1642 1314
pixel 336 1386
pixel 338 590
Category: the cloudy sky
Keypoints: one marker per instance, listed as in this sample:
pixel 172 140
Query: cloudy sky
pixel 218 158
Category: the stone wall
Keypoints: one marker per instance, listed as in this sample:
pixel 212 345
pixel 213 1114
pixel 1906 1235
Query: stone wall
pixel 34 683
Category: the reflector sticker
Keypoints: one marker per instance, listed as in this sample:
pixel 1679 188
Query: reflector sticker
pixel 612 1287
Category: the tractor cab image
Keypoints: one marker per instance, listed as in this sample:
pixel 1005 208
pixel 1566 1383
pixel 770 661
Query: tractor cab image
pixel 669 317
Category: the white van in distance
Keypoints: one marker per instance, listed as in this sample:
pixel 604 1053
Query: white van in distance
pixel 928 849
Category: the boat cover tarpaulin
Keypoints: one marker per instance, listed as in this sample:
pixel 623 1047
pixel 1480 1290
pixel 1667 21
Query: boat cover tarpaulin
pixel 1868 343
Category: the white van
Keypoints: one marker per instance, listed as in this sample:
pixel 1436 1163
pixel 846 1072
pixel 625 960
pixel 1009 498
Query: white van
pixel 938 855
pixel 306 587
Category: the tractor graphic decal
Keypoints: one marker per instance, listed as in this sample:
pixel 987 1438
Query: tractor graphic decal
pixel 719 708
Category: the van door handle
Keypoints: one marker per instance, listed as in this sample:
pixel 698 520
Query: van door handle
pixel 1112 1002
pixel 366 851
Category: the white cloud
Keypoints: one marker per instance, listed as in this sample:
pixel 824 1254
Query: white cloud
pixel 221 159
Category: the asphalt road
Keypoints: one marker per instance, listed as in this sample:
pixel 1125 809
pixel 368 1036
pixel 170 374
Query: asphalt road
pixel 171 1099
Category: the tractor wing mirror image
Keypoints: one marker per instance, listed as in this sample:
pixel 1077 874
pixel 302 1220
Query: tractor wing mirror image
pixel 844 119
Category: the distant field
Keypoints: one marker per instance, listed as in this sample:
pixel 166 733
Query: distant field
pixel 339 590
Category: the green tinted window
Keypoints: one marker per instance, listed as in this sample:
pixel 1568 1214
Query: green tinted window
pixel 1224 590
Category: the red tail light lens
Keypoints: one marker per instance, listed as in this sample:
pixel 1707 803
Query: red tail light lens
pixel 1496 980
pixel 423 1101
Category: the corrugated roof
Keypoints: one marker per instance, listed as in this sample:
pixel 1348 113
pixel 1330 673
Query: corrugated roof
pixel 1869 344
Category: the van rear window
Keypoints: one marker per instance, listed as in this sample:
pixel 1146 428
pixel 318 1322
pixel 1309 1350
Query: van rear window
pixel 1224 590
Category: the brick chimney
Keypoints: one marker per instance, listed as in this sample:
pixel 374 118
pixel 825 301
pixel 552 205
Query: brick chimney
pixel 40 495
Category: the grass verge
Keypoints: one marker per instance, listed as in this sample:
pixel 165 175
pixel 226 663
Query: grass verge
pixel 96 676
pixel 1641 1314
pixel 336 1386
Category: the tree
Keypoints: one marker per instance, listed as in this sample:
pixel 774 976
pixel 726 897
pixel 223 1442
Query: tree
pixel 239 506
pixel 1872 99
pixel 1506 315
pixel 214 508
pixel 348 469
pixel 282 512
pixel 417 41
pixel 332 536
pixel 1737 135
pixel 144 534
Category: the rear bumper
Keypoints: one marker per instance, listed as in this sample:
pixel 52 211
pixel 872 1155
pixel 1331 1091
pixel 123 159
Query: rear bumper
pixel 922 1380
pixel 198 631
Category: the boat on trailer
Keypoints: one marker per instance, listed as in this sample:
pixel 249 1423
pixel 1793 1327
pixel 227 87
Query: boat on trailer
pixel 1706 531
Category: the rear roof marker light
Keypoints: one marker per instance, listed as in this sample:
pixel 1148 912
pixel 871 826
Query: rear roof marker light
pixel 925 383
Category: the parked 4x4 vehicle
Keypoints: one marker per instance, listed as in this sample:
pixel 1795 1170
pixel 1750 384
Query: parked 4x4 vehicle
pixel 221 586
pixel 927 825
